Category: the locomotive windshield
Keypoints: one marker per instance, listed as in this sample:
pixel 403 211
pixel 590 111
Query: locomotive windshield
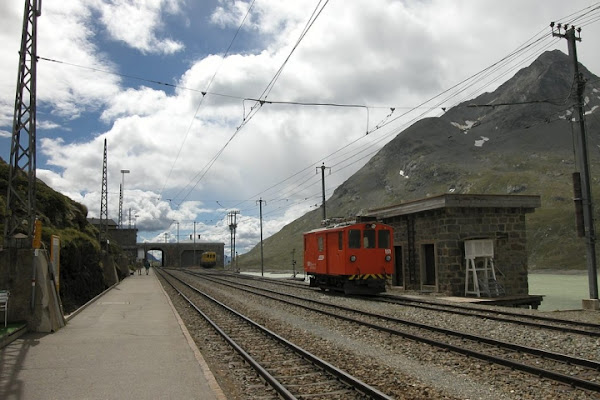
pixel 354 239
pixel 384 239
pixel 369 239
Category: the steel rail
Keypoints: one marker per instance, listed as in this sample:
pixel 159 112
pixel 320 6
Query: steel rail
pixel 350 380
pixel 398 300
pixel 452 308
pixel 270 379
pixel 573 381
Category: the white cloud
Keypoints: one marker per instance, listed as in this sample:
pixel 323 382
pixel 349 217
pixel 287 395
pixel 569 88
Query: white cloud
pixel 136 22
pixel 378 52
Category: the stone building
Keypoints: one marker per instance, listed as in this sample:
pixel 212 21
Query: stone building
pixel 430 236
pixel 126 238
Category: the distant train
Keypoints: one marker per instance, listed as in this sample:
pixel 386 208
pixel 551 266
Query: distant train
pixel 208 259
pixel 355 258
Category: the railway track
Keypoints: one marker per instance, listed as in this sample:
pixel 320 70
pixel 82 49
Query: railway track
pixel 537 321
pixel 569 370
pixel 289 371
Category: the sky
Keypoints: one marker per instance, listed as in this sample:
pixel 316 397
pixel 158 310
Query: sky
pixel 221 105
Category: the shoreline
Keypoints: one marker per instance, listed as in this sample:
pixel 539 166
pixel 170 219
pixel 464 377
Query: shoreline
pixel 558 271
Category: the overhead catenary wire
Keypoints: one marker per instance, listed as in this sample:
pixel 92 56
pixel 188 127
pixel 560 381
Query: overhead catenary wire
pixel 200 175
pixel 360 138
pixel 579 18
pixel 203 95
pixel 241 97
pixel 536 40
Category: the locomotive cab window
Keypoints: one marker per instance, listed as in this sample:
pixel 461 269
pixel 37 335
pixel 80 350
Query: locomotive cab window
pixel 369 239
pixel 320 243
pixel 354 239
pixel 340 240
pixel 383 239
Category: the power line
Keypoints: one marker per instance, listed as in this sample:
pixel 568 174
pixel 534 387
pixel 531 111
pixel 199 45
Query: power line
pixel 203 95
pixel 263 96
pixel 386 123
pixel 529 45
pixel 206 93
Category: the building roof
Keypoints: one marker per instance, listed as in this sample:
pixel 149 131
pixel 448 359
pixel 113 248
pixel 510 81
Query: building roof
pixel 96 221
pixel 450 200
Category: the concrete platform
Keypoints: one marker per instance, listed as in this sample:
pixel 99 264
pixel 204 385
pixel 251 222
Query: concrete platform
pixel 527 301
pixel 128 344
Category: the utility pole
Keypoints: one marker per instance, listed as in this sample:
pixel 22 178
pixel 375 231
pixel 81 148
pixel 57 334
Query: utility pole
pixel 232 221
pixel 262 264
pixel 194 263
pixel 121 193
pixel 293 263
pixel 178 250
pixel 323 168
pixel 120 224
pixel 582 162
pixel 23 142
pixel 230 242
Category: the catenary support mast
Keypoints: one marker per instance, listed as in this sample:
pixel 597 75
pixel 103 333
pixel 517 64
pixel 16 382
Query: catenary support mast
pixel 20 210
pixel 323 168
pixel 262 260
pixel 104 202
pixel 582 157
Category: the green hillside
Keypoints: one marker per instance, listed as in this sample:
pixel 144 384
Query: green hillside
pixel 81 274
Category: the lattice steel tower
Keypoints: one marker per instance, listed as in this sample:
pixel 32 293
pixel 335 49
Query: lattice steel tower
pixel 104 203
pixel 20 210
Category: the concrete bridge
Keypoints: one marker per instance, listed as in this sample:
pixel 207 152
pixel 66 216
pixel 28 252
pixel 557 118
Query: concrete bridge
pixel 182 255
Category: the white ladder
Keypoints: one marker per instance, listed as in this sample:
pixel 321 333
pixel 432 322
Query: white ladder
pixel 480 276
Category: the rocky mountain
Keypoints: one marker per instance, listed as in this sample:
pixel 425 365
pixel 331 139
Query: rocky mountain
pixel 517 139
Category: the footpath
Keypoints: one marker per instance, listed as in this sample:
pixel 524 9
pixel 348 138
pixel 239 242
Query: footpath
pixel 127 344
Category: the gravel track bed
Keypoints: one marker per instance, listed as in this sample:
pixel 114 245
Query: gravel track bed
pixel 236 378
pixel 292 370
pixel 399 367
pixel 461 342
pixel 551 340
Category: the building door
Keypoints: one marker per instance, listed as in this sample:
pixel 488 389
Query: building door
pixel 398 278
pixel 428 264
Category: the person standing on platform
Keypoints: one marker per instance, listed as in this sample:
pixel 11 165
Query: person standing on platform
pixel 146 265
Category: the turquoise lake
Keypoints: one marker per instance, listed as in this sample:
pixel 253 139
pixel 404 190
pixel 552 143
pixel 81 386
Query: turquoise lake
pixel 561 291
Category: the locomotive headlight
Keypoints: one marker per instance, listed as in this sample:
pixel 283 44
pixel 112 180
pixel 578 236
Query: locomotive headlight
pixel 388 258
pixel 352 258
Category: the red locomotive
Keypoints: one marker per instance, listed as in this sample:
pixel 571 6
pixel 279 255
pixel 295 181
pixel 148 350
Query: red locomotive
pixel 354 258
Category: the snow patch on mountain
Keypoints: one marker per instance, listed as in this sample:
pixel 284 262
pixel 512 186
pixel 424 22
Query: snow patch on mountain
pixel 466 126
pixel 566 115
pixel 480 142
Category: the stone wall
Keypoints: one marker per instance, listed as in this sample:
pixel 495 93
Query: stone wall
pixel 182 254
pixel 127 240
pixel 447 229
pixel 18 268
